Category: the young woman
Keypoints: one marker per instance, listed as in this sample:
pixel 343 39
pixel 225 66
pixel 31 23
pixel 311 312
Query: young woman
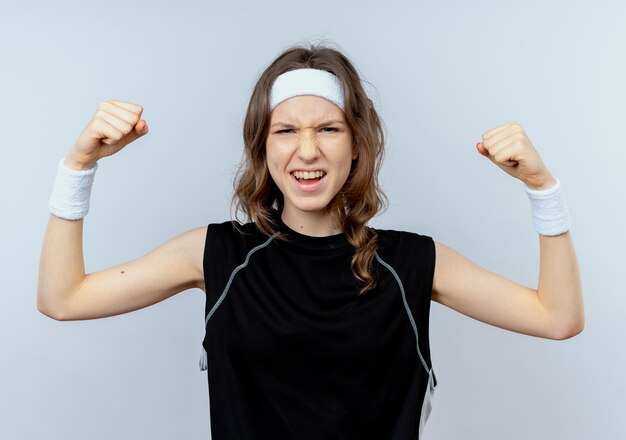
pixel 316 324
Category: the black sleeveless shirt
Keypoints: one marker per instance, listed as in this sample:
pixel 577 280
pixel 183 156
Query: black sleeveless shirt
pixel 293 352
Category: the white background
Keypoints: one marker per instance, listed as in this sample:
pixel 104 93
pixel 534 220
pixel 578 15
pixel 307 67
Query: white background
pixel 440 73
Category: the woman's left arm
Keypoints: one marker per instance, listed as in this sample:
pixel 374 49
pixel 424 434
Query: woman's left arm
pixel 555 309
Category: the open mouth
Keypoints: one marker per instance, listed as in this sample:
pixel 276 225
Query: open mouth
pixel 308 177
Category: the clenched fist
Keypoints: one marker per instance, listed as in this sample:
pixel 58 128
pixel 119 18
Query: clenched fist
pixel 114 125
pixel 509 148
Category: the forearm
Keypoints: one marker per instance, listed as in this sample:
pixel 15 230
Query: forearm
pixel 559 288
pixel 61 264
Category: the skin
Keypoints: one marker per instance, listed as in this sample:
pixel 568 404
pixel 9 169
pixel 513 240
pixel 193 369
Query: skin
pixel 302 137
pixel 553 310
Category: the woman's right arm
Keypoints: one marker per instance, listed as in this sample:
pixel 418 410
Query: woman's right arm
pixel 64 291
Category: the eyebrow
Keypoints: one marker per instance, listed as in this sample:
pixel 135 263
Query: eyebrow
pixel 285 124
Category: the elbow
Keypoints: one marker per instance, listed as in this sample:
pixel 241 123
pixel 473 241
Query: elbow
pixel 570 331
pixel 47 311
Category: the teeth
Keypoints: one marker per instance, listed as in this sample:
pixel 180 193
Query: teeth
pixel 308 174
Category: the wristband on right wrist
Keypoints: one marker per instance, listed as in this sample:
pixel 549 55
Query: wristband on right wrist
pixel 71 191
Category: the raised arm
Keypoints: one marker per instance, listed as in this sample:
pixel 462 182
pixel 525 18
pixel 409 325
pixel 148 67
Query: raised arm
pixel 64 291
pixel 555 308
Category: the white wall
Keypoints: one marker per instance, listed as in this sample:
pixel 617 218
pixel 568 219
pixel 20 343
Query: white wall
pixel 441 74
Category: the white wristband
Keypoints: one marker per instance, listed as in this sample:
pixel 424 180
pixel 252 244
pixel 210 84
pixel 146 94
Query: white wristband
pixel 71 192
pixel 549 210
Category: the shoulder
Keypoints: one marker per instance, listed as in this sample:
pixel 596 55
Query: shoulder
pixel 229 241
pixel 405 248
pixel 188 248
pixel 392 238
pixel 233 232
pixel 223 237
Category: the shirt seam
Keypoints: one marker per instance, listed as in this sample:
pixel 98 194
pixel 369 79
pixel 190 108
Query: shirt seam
pixel 406 307
pixel 232 276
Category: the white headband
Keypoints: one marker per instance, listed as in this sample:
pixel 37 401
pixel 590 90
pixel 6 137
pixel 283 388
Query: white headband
pixel 307 82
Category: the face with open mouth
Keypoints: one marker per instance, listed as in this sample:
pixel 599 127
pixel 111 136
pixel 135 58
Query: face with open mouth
pixel 309 152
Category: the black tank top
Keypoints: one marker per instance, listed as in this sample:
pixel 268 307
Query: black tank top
pixel 292 352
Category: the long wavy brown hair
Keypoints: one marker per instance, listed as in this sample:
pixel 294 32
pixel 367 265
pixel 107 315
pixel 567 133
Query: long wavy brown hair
pixel 360 198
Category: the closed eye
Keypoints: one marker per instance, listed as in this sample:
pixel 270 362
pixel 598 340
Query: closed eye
pixel 284 130
pixel 330 128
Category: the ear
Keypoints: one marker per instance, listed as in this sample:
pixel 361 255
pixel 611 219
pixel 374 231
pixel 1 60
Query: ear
pixel 355 150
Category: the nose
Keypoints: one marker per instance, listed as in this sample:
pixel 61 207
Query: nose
pixel 307 145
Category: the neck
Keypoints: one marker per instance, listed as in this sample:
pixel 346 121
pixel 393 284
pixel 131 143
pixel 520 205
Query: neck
pixel 314 223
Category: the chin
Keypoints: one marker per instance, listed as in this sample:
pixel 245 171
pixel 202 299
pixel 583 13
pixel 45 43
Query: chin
pixel 309 207
pixel 310 204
